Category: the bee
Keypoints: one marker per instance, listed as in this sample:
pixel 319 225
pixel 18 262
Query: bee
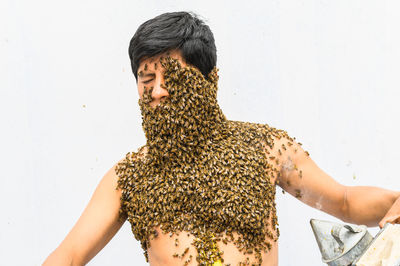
pixel 145 67
pixel 298 193
pixel 188 260
pixel 184 252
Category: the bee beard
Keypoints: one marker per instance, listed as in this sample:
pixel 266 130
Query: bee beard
pixel 182 125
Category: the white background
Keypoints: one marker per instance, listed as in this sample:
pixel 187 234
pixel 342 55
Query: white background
pixel 325 71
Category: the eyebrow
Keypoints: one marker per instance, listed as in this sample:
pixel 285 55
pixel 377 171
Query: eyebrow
pixel 142 75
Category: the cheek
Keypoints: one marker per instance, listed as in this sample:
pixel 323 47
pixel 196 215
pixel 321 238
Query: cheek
pixel 140 91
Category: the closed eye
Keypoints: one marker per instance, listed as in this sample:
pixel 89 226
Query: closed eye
pixel 147 81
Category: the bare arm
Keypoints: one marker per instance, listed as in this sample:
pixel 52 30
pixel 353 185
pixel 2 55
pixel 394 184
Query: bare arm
pixel 368 205
pixel 302 178
pixel 94 229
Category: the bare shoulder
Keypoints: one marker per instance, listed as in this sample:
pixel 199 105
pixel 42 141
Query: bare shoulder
pixel 280 148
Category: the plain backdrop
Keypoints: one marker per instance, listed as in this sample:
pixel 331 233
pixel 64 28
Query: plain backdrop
pixel 327 72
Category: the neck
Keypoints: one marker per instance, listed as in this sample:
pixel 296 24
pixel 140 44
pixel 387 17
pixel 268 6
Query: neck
pixel 175 138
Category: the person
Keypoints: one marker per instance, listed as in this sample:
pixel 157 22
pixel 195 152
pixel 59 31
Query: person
pixel 201 177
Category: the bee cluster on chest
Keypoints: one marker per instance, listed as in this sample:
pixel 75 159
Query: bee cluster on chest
pixel 201 173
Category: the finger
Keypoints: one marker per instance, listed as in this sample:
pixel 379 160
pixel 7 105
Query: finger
pixel 382 223
pixel 394 219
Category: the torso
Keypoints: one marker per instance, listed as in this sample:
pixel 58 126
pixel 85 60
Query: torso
pixel 163 247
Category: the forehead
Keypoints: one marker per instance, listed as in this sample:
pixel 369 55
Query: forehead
pixel 150 61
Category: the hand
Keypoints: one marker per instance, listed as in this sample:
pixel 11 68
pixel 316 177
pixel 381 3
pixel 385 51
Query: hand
pixel 393 215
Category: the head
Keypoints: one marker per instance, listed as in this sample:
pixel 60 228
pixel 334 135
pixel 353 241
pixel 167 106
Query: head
pixel 181 34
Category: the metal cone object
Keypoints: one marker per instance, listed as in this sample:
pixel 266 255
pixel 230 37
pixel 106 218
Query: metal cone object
pixel 340 244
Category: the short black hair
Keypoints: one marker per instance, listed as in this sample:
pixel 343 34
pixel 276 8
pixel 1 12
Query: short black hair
pixel 175 30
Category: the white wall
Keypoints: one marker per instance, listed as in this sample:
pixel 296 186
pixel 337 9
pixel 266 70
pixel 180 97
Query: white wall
pixel 325 71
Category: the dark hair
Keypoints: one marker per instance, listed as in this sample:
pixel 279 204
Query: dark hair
pixel 175 30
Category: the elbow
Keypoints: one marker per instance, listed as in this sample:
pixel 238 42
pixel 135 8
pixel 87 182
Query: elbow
pixel 345 206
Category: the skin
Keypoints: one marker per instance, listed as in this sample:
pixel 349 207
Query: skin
pixel 99 223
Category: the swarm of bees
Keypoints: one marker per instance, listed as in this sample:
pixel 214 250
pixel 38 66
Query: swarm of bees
pixel 201 173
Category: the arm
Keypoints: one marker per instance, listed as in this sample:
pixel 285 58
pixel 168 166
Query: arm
pixel 368 205
pixel 302 178
pixel 94 229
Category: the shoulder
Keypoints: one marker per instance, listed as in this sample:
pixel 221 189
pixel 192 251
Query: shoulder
pixel 250 131
pixel 123 169
pixel 133 157
pixel 284 153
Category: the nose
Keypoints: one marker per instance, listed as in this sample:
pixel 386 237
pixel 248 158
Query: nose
pixel 158 94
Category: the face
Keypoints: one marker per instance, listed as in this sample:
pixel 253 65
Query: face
pixel 151 74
